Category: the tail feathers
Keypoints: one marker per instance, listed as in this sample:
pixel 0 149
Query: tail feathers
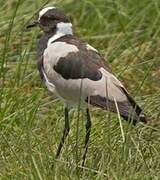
pixel 130 111
pixel 141 116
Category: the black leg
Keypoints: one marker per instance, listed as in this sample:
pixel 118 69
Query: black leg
pixel 88 130
pixel 65 132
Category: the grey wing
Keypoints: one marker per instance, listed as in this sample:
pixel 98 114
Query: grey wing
pixel 79 65
pixel 101 87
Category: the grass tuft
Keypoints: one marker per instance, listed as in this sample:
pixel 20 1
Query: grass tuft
pixel 31 121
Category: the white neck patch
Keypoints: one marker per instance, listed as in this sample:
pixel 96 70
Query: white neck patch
pixel 44 10
pixel 65 28
pixel 62 30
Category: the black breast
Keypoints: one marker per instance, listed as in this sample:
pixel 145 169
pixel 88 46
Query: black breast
pixel 42 45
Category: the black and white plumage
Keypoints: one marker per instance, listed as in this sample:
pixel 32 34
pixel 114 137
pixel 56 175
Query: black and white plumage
pixel 74 71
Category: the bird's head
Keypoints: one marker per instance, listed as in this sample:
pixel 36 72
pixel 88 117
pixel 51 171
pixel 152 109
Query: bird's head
pixel 51 19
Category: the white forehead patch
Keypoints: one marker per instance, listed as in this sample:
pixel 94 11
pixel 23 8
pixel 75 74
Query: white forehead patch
pixel 44 10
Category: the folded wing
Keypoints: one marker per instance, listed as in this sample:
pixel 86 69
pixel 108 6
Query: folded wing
pixel 103 88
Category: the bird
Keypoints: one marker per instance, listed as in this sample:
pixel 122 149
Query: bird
pixel 77 73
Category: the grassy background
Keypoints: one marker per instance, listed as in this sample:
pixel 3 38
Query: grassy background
pixel 31 121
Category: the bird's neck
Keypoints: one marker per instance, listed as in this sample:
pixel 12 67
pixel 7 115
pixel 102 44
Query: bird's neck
pixel 62 29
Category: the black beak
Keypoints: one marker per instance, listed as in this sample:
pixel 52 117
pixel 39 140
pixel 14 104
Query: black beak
pixel 34 24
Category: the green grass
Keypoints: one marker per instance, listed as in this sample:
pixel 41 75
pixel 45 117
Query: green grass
pixel 31 121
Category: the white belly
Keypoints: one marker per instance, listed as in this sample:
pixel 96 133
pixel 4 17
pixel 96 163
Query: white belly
pixel 74 90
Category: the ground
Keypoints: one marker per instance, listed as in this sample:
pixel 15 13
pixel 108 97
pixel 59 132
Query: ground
pixel 31 120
